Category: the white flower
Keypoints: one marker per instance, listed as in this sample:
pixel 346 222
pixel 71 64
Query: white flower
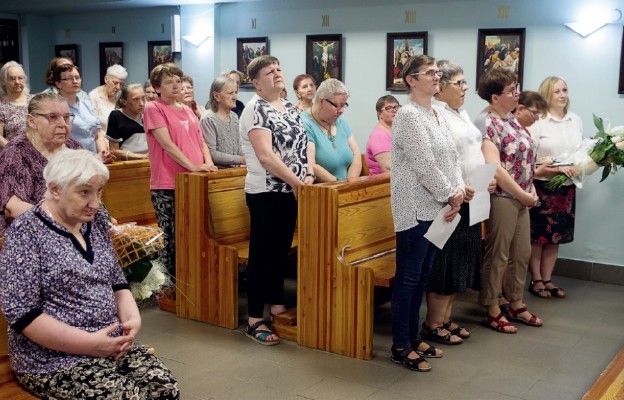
pixel 616 139
pixel 620 145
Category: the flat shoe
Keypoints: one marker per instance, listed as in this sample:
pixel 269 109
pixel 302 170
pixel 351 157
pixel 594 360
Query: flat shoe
pixel 431 351
pixel 435 336
pixel 496 323
pixel 532 321
pixel 260 335
pixel 457 331
pixel 401 357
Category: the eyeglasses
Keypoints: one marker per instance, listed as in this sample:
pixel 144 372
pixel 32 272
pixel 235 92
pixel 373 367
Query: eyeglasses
pixel 460 83
pixel 54 119
pixel 515 91
pixel 430 73
pixel 391 108
pixel 336 106
pixel 16 78
pixel 72 78
pixel 536 113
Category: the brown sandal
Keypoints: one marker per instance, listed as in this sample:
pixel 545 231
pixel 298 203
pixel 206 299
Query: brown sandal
pixel 498 325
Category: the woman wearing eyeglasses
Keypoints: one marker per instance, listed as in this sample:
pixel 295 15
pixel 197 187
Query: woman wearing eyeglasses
pixel 104 97
pixel 507 242
pixel 425 177
pixel 552 222
pixel 380 141
pixel 85 128
pixel 21 165
pixel 14 98
pixel 332 145
pixel 457 266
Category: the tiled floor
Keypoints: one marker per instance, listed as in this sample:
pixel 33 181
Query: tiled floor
pixel 561 360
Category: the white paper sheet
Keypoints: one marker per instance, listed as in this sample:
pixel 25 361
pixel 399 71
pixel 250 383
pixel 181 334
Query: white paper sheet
pixel 440 230
pixel 479 206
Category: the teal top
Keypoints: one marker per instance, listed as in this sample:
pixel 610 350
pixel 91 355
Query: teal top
pixel 336 160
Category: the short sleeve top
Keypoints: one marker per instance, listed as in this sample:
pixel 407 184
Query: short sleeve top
pixel 13 118
pixel 335 156
pixel 380 141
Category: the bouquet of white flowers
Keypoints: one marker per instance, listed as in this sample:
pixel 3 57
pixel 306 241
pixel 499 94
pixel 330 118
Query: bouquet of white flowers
pixel 605 149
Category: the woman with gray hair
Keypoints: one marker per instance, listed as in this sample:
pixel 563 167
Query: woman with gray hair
pixel 237 76
pixel 332 145
pixel 103 97
pixel 219 124
pixel 457 266
pixel 125 132
pixel 74 322
pixel 14 98
pixel 424 178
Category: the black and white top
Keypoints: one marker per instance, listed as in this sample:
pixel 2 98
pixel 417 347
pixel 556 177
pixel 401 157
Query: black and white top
pixel 128 132
pixel 424 169
pixel 289 142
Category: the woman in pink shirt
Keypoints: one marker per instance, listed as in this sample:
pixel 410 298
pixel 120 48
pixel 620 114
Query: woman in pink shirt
pixel 175 144
pixel 379 143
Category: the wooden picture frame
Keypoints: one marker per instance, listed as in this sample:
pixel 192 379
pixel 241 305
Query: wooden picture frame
pixel 246 50
pixel 621 81
pixel 69 51
pixel 324 57
pixel 400 47
pixel 501 48
pixel 158 52
pixel 111 53
pixel 9 45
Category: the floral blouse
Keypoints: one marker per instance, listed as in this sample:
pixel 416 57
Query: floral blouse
pixel 14 118
pixel 518 151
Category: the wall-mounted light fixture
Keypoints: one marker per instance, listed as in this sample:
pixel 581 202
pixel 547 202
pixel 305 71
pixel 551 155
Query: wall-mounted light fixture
pixel 176 46
pixel 592 21
pixel 196 39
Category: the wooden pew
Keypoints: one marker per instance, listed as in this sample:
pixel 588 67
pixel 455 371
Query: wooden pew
pixel 346 248
pixel 127 193
pixel 212 237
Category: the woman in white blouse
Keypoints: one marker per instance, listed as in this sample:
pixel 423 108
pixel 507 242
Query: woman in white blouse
pixel 559 133
pixel 105 96
pixel 425 176
pixel 457 266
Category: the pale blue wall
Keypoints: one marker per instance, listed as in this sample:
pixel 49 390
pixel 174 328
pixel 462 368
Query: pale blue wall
pixel 589 65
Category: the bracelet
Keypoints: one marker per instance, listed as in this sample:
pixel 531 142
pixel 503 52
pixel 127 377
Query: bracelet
pixel 312 175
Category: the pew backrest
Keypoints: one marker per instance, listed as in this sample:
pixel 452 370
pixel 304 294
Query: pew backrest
pixel 127 192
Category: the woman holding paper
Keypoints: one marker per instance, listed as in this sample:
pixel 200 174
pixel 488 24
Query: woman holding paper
pixel 457 266
pixel 552 222
pixel 507 242
pixel 425 177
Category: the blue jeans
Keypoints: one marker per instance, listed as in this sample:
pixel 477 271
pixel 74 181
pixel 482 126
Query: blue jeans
pixel 414 256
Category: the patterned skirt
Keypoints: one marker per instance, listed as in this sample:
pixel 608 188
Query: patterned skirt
pixel 552 222
pixel 457 266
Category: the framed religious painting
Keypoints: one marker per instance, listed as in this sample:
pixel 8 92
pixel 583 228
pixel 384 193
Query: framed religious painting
pixel 246 50
pixel 324 57
pixel 69 51
pixel 501 48
pixel 158 52
pixel 399 48
pixel 111 53
pixel 621 81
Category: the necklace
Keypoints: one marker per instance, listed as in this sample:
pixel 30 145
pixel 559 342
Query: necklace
pixel 331 137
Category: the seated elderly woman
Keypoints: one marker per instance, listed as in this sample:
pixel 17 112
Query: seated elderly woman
pixel 103 97
pixel 125 132
pixel 187 97
pixel 380 141
pixel 219 124
pixel 14 98
pixel 73 319
pixel 332 145
pixel 25 157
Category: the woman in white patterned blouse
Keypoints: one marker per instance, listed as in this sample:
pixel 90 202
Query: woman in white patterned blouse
pixel 425 176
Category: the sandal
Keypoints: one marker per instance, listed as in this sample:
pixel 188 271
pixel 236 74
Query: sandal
pixel 555 291
pixel 433 334
pixel 401 357
pixel 431 351
pixel 514 315
pixel 498 325
pixel 457 331
pixel 260 335
pixel 541 292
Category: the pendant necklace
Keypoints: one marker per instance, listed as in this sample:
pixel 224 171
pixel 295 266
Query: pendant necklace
pixel 331 137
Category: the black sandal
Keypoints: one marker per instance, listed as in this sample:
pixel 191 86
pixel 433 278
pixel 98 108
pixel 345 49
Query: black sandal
pixel 431 351
pixel 435 336
pixel 261 335
pixel 457 331
pixel 555 290
pixel 401 357
pixel 541 292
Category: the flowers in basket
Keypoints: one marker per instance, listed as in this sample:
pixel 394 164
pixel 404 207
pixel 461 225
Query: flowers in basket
pixel 605 149
pixel 137 250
